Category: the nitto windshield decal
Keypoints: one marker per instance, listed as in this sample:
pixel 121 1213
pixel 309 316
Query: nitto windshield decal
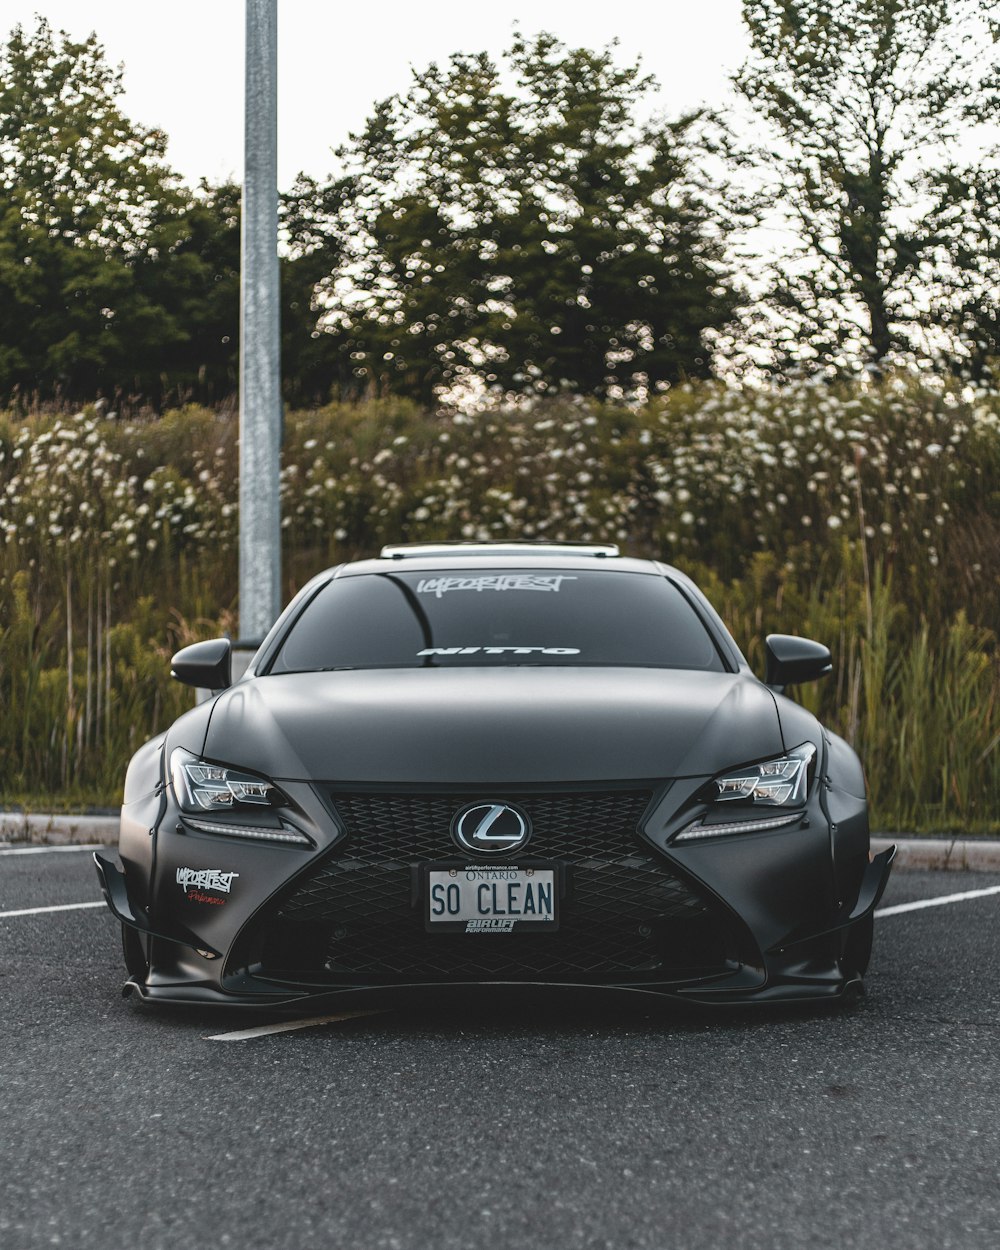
pixel 499 651
pixel 440 586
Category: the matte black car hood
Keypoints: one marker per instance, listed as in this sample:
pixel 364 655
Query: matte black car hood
pixel 505 725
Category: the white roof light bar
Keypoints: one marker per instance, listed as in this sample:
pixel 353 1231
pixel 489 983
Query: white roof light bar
pixel 415 551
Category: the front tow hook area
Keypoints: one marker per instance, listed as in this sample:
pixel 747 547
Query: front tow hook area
pixel 115 891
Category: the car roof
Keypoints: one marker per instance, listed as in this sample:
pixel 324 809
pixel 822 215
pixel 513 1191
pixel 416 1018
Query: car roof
pixel 427 558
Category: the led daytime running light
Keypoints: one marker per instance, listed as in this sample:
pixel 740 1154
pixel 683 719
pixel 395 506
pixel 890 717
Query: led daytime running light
pixel 698 831
pixel 250 831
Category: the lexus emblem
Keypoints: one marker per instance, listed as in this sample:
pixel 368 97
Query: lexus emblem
pixel 491 829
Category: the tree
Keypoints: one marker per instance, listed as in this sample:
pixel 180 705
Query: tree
pixel 521 231
pixel 964 219
pixel 189 271
pixel 865 101
pixel 79 186
pixel 114 277
pixel 310 370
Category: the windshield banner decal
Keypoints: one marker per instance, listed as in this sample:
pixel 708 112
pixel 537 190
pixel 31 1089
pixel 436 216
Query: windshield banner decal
pixel 440 586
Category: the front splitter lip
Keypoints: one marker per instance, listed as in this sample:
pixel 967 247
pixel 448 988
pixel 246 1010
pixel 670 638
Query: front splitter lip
pixel 769 994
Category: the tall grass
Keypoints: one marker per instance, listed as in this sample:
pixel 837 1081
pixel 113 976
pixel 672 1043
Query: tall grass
pixel 867 517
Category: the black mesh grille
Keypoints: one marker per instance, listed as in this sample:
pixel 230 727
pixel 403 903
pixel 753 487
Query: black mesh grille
pixel 624 912
pixel 408 828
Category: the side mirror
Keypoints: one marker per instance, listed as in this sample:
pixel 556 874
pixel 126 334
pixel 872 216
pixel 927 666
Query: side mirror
pixel 205 664
pixel 792 660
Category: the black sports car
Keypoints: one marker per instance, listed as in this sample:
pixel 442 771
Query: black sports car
pixel 496 763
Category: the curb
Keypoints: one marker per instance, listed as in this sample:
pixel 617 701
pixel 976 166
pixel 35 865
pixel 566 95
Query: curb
pixel 940 854
pixel 56 829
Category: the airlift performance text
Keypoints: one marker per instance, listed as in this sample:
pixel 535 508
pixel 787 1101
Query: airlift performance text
pixel 492 900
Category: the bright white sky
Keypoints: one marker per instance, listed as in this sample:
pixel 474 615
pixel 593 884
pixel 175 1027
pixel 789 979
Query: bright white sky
pixel 184 60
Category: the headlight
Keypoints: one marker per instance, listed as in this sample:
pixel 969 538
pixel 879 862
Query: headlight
pixel 200 786
pixel 762 790
pixel 774 783
pixel 205 787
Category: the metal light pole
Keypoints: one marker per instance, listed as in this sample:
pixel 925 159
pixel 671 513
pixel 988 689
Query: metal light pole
pixel 260 377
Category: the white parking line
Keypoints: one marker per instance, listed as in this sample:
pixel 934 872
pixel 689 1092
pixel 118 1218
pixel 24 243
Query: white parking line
pixel 940 901
pixel 37 911
pixel 245 1035
pixel 6 849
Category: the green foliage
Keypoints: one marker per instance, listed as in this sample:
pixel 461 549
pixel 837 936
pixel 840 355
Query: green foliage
pixel 964 218
pixel 511 227
pixel 866 104
pixel 189 269
pixel 81 186
pixel 533 239
pixel 114 279
pixel 512 224
pixel 865 516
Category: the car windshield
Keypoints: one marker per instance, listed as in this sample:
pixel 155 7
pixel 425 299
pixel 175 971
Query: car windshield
pixel 473 618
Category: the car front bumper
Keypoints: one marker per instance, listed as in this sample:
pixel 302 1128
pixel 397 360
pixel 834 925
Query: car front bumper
pixel 753 918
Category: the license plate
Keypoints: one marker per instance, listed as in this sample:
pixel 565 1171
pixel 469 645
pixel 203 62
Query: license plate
pixel 483 898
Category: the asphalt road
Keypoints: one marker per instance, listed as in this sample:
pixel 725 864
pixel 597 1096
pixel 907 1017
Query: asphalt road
pixel 533 1122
